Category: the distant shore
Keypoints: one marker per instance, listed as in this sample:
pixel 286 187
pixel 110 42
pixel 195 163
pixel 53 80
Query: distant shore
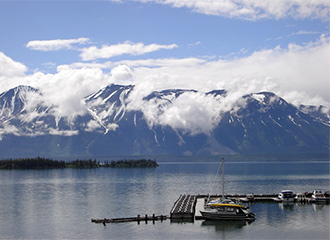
pixel 46 163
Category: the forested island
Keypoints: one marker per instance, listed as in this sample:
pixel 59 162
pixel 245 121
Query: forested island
pixel 45 163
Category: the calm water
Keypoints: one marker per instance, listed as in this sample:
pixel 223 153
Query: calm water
pixel 59 204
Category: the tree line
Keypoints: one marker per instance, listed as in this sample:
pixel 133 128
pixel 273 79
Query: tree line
pixel 131 163
pixel 46 163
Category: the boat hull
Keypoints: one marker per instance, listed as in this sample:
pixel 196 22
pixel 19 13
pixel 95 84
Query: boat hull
pixel 225 216
pixel 319 199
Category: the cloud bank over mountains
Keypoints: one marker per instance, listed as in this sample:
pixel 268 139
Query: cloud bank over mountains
pixel 300 74
pixel 172 121
pixel 297 72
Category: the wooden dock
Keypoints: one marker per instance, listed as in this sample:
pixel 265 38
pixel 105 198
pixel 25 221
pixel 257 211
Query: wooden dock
pixel 184 207
pixel 187 207
pixel 199 206
pixel 138 219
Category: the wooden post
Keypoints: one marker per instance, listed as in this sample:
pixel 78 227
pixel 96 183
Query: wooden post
pixel 223 179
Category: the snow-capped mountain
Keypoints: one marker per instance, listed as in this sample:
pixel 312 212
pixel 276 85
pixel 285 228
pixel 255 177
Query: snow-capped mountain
pixel 23 113
pixel 168 122
pixel 268 122
pixel 14 101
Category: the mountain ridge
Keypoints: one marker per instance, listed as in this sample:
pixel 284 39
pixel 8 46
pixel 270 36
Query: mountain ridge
pixel 161 123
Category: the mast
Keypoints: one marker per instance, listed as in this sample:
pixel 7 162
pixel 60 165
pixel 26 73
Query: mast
pixel 223 178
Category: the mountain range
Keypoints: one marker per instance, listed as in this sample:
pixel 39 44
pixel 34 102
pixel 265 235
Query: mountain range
pixel 160 123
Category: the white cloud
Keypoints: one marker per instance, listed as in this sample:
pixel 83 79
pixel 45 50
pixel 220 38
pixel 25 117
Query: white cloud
pixel 6 128
pixel 63 90
pixel 54 45
pixel 92 125
pixel 122 74
pixel 299 73
pixel 305 32
pixel 165 62
pixel 12 73
pixel 193 112
pixel 302 68
pixel 10 68
pixel 108 51
pixel 63 132
pixel 297 98
pixel 254 9
pixel 66 89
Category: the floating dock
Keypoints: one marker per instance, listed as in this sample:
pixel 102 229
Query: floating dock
pixel 138 219
pixel 187 207
pixel 184 207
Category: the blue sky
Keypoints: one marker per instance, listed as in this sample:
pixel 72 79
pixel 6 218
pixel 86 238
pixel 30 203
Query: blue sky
pixel 240 45
pixel 105 22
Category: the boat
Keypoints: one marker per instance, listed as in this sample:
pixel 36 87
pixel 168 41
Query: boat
pixel 327 194
pixel 226 209
pixel 300 197
pixel 318 196
pixel 286 196
pixel 248 198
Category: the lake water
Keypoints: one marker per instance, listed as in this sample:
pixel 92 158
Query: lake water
pixel 59 204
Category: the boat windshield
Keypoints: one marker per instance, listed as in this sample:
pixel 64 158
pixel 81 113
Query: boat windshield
pixel 230 209
pixel 221 209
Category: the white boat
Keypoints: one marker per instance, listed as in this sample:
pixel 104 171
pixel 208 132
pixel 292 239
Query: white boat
pixel 226 209
pixel 248 198
pixel 300 197
pixel 318 196
pixel 286 196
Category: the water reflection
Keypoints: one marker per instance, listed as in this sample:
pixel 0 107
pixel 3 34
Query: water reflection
pixel 291 206
pixel 224 226
pixel 286 206
pixel 318 206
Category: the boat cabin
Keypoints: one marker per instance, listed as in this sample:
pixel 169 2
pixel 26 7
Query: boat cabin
pixel 286 195
pixel 318 195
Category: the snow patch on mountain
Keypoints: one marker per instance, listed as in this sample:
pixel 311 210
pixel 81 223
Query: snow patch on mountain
pixel 321 113
pixel 259 97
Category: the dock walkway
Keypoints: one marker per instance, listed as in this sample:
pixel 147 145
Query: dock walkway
pixel 199 206
pixel 139 218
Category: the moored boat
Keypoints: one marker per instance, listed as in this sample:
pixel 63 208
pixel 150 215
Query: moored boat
pixel 228 211
pixel 300 197
pixel 286 196
pixel 248 198
pixel 318 196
